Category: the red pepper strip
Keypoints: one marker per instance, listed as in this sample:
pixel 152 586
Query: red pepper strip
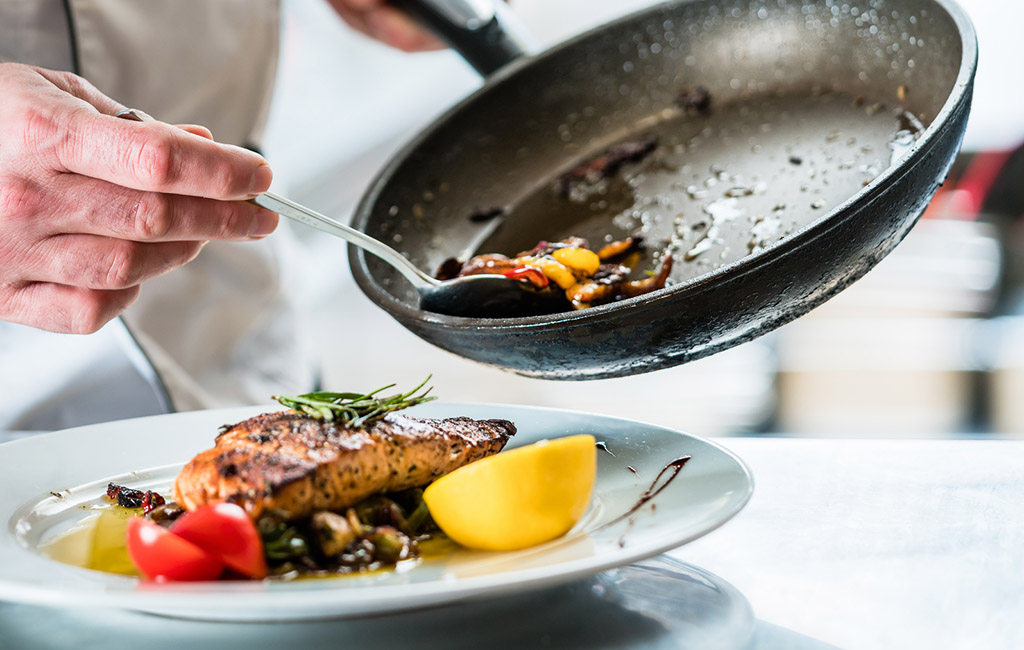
pixel 528 274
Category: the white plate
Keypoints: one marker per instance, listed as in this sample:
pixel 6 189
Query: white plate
pixel 75 465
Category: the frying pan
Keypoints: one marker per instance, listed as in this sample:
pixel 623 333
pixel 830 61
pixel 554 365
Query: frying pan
pixel 831 124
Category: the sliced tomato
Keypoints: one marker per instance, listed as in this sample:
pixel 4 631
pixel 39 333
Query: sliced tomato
pixel 159 554
pixel 226 531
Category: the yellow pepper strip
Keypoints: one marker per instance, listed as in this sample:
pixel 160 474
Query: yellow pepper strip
pixel 556 272
pixel 583 260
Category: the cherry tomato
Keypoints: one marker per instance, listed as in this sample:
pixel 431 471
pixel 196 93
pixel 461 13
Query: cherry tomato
pixel 226 531
pixel 528 274
pixel 161 555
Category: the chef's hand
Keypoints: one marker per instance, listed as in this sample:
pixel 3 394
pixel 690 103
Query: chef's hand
pixel 91 205
pixel 378 19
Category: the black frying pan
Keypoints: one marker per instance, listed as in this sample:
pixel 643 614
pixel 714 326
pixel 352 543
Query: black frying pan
pixel 830 126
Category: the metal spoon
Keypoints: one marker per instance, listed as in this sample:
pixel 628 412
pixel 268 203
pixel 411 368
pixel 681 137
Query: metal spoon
pixel 484 295
pixel 476 296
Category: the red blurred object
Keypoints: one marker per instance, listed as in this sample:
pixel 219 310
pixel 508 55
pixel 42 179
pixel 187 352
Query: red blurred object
pixel 967 196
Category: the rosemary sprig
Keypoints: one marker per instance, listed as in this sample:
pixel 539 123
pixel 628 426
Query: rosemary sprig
pixel 354 409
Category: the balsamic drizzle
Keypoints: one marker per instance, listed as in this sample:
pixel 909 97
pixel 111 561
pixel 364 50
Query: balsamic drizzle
pixel 604 447
pixel 674 466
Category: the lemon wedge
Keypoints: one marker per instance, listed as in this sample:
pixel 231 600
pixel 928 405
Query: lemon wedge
pixel 518 498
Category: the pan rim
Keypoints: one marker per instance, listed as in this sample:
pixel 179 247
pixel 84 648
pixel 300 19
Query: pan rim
pixel 955 102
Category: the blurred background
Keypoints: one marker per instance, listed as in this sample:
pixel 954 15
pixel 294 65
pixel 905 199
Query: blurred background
pixel 930 343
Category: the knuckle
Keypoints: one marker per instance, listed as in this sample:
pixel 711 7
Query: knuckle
pixel 18 198
pixel 187 252
pixel 94 309
pixel 152 159
pixel 88 317
pixel 9 307
pixel 39 126
pixel 232 222
pixel 16 306
pixel 71 83
pixel 76 85
pixel 151 217
pixel 122 268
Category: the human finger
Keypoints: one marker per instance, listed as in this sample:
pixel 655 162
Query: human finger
pixel 80 88
pixel 387 24
pixel 49 126
pixel 157 157
pixel 105 263
pixel 399 30
pixel 90 206
pixel 62 308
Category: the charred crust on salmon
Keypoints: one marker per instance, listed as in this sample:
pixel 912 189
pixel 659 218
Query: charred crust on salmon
pixel 295 464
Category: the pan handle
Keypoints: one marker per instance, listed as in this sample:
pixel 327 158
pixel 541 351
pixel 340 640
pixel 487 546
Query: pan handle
pixel 484 32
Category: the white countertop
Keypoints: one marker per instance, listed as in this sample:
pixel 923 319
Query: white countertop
pixel 846 544
pixel 880 543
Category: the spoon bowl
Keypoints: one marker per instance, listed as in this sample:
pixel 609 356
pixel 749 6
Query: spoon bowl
pixel 491 296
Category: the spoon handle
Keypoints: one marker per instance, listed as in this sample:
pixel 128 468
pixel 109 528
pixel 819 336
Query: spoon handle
pixel 302 214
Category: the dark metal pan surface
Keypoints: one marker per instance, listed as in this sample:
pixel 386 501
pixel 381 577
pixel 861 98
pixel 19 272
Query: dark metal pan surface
pixel 830 126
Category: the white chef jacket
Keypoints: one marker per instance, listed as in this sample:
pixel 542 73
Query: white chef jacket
pixel 220 331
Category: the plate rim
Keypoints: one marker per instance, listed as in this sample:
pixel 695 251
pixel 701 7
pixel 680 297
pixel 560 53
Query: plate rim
pixel 172 600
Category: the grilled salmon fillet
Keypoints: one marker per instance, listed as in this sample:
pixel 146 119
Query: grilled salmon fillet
pixel 296 465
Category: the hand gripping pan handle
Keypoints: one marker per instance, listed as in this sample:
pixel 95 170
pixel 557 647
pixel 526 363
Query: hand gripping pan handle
pixel 484 32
